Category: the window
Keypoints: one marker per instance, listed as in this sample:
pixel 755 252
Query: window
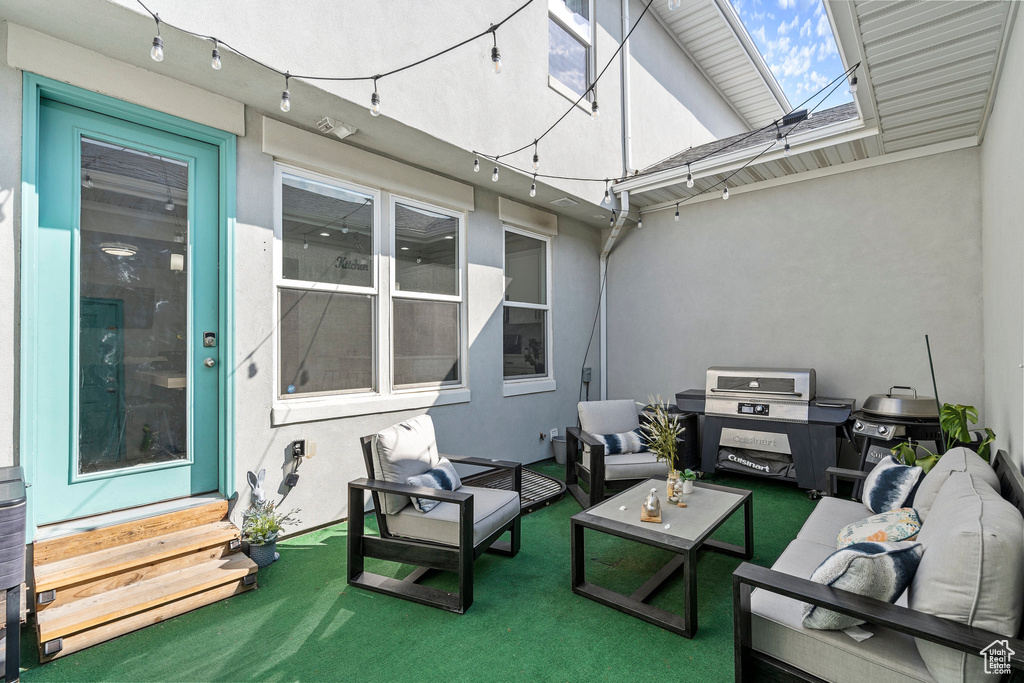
pixel 526 331
pixel 570 37
pixel 363 317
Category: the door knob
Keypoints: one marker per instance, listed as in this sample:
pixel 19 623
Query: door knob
pixel 209 362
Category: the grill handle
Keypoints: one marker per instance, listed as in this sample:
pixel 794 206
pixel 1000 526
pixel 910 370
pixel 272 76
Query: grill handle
pixel 747 392
pixel 900 386
pixel 831 405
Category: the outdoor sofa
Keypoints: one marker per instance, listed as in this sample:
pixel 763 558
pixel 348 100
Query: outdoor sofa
pixel 966 595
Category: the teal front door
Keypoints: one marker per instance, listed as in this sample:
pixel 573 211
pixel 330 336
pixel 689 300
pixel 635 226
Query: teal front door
pixel 126 369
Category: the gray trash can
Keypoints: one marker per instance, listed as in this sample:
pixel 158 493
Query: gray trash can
pixel 558 446
pixel 12 562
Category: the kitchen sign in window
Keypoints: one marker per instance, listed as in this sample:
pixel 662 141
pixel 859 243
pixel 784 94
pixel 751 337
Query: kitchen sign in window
pixel 526 318
pixel 360 316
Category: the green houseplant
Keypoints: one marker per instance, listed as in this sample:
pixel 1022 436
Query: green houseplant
pixel 660 431
pixel 955 422
pixel 261 525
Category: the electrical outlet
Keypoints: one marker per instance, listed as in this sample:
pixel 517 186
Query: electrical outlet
pixel 299 448
pixel 291 480
pixel 586 374
pixel 554 433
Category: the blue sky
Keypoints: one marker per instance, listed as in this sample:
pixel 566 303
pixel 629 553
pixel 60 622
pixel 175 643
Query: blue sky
pixel 796 41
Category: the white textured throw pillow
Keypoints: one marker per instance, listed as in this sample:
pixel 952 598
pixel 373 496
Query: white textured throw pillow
pixel 877 570
pixel 891 485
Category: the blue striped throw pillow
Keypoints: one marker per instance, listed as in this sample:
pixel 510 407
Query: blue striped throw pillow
pixel 443 477
pixel 626 442
pixel 891 485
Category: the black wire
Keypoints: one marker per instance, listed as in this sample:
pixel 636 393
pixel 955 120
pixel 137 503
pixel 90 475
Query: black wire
pixel 491 29
pixel 593 329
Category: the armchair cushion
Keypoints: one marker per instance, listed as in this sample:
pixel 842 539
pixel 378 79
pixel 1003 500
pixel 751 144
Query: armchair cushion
pixel 401 451
pixel 608 417
pixel 878 570
pixel 443 477
pixel 972 570
pixel 955 460
pixel 891 485
pixel 829 516
pixel 629 466
pixel 492 509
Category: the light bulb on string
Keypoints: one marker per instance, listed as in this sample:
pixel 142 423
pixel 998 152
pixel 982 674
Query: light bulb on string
pixel 595 111
pixel 169 206
pixel 689 177
pixel 476 165
pixel 607 194
pixel 853 84
pixel 494 175
pixel 157 51
pixel 215 57
pixel 611 221
pixel 87 181
pixel 674 4
pixel 536 158
pixel 725 193
pixel 677 213
pixel 533 186
pixel 375 100
pixel 640 222
pixel 787 150
pixel 286 98
pixel 495 53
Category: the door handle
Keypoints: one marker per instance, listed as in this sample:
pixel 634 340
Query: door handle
pixel 209 362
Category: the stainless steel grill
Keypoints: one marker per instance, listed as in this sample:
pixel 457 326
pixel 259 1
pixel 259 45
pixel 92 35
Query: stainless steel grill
pixel 780 395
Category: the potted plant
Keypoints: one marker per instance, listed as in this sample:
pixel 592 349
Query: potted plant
pixel 955 422
pixel 687 478
pixel 660 430
pixel 261 525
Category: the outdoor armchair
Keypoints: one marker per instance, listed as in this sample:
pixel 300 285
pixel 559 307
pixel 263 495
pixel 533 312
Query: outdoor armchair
pixel 463 525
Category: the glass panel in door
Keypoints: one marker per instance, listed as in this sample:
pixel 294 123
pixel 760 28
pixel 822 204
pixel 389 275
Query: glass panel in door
pixel 134 309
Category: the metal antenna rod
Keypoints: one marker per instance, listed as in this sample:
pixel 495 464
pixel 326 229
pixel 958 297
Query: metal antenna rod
pixel 935 389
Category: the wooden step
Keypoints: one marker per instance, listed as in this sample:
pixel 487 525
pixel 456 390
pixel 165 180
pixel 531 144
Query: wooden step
pixel 124 558
pixel 119 627
pixel 60 548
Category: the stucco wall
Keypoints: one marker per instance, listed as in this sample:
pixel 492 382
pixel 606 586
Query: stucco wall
pixel 1003 251
pixel 490 425
pixel 10 222
pixel 845 274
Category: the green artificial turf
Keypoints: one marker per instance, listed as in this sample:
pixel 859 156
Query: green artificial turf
pixel 305 623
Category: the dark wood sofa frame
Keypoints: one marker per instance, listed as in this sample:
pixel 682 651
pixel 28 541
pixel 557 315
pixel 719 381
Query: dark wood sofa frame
pixel 749 663
pixel 425 555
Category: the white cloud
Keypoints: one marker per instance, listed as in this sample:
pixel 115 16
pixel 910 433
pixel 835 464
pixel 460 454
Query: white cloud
pixel 826 49
pixel 785 28
pixel 786 4
pixel 811 83
pixel 823 28
pixel 759 34
pixel 805 30
pixel 819 10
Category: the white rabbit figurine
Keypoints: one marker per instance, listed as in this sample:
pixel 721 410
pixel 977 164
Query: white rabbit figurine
pixel 256 482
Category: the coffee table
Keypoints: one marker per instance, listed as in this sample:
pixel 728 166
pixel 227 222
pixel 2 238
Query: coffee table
pixel 688 530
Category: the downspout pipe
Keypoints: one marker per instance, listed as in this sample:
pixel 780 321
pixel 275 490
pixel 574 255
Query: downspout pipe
pixel 624 59
pixel 605 251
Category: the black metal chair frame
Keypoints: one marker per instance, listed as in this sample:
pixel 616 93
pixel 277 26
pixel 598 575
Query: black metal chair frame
pixel 945 632
pixel 425 555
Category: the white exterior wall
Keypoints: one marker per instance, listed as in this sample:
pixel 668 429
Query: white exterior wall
pixel 1003 252
pixel 844 274
pixel 10 207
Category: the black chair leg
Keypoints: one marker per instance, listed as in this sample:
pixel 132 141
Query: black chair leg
pixel 12 639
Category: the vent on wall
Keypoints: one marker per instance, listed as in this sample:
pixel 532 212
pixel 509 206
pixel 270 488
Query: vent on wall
pixel 329 126
pixel 565 201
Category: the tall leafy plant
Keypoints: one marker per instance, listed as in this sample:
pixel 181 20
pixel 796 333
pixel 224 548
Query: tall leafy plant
pixel 955 421
pixel 660 431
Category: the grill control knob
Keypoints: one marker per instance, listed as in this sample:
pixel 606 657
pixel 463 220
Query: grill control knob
pixel 858 425
pixel 882 430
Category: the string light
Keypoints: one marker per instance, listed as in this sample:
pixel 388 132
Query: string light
pixel 677 212
pixel 476 165
pixel 725 192
pixel 787 151
pixel 215 57
pixel 640 222
pixel 611 221
pixel 595 111
pixel 87 181
pixel 533 187
pixel 853 84
pixel 305 242
pixel 607 194
pixel 674 4
pixel 375 100
pixel 157 51
pixel 286 98
pixel 689 177
pixel 536 159
pixel 495 53
pixel 494 176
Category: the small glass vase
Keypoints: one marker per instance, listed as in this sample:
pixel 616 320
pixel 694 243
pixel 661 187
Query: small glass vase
pixel 674 477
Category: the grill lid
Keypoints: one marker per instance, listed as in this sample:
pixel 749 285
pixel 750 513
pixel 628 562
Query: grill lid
pixel 902 405
pixel 786 383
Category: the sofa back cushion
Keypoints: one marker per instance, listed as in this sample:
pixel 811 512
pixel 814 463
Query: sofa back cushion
pixel 608 417
pixel 958 459
pixel 402 451
pixel 972 570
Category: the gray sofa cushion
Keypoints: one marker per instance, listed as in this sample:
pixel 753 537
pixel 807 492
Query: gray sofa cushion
pixel 630 466
pixel 972 570
pixel 608 417
pixel 831 655
pixel 955 460
pixel 402 451
pixel 829 516
pixel 492 509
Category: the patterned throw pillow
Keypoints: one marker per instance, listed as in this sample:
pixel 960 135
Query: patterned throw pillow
pixel 892 527
pixel 443 477
pixel 877 570
pixel 891 485
pixel 626 442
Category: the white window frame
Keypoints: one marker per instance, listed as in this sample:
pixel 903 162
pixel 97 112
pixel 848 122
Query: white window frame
pixel 423 296
pixel 384 397
pixel 531 385
pixel 558 11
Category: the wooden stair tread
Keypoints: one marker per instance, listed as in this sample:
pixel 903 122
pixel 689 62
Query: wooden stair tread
pixel 98 563
pixel 82 614
pixel 63 547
